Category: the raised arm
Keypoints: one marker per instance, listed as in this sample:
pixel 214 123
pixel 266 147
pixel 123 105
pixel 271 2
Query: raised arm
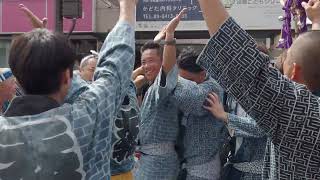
pixel 95 110
pixel 116 58
pixel 169 51
pixel 214 14
pixel 35 21
pixel 167 78
pixel 233 59
pixel 128 11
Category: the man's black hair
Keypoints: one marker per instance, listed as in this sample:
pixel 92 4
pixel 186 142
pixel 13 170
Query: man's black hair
pixel 152 45
pixel 187 60
pixel 38 58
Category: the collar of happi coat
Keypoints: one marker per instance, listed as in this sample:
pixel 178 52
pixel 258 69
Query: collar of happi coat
pixel 316 93
pixel 30 105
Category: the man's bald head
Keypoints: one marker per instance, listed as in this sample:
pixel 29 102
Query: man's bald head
pixel 305 53
pixel 87 67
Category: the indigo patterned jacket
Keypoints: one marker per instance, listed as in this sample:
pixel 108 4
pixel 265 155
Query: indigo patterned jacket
pixel 250 142
pixel 288 112
pixel 72 141
pixel 125 127
pixel 159 127
pixel 203 135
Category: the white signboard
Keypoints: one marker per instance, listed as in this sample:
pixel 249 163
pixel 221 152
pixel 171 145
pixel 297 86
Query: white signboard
pixel 250 14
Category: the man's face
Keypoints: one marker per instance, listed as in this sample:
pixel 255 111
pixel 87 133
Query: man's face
pixel 151 64
pixel 87 71
pixel 195 77
pixel 8 89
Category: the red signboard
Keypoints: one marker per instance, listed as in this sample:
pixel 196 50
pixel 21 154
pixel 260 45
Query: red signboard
pixel 12 20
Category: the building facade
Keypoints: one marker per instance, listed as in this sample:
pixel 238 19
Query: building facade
pixel 258 17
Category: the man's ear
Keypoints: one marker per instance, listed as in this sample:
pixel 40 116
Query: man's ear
pixel 203 75
pixel 66 77
pixel 296 74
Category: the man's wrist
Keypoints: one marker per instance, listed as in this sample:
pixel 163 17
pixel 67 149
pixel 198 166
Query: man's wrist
pixel 225 118
pixel 127 12
pixel 171 42
pixel 157 40
pixel 169 35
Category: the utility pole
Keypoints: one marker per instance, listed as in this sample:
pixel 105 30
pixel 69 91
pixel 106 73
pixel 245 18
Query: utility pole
pixel 59 19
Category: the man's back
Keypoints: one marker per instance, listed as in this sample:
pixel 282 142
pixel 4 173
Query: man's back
pixel 203 137
pixel 203 134
pixel 90 117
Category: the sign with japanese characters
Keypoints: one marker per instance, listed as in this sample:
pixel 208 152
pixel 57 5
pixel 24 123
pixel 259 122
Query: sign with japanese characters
pixel 250 14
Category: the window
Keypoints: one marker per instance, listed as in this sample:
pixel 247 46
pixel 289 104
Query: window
pixel 4 53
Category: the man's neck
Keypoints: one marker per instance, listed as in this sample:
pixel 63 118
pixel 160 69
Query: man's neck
pixel 2 101
pixel 316 92
pixel 57 97
pixel 150 82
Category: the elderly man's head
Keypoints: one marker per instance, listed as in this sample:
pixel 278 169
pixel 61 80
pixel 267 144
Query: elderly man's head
pixel 302 63
pixel 87 67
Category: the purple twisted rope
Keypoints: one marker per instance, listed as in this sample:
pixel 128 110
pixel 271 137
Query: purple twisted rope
pixel 303 16
pixel 286 38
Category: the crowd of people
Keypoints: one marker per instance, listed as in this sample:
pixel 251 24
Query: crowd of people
pixel 227 113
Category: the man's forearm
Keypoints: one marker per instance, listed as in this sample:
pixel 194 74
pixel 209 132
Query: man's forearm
pixel 214 14
pixel 35 21
pixel 128 11
pixel 169 54
pixel 244 126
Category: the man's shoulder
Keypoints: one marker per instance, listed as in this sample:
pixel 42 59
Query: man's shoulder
pixel 182 82
pixel 44 135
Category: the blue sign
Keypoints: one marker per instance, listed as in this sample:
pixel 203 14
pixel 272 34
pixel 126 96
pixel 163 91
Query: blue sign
pixel 165 10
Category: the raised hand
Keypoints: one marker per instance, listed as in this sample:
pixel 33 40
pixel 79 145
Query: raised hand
pixel 35 21
pixel 214 105
pixel 171 27
pixel 161 35
pixel 313 12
